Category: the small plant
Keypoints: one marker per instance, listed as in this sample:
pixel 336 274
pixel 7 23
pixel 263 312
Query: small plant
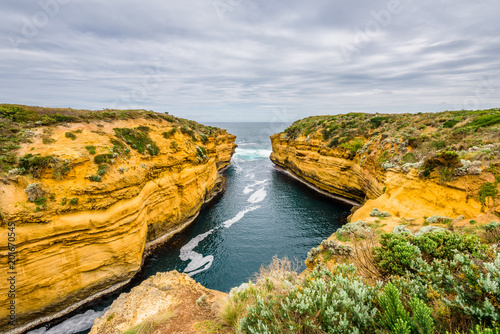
pixel 73 201
pixel 170 133
pixel 488 190
pixel 103 158
pixel 138 139
pixel 70 135
pixel 95 178
pixel 91 149
pixel 174 146
pixel 353 146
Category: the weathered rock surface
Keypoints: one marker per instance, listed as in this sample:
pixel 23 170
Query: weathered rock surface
pixel 89 237
pixel 401 194
pixel 172 302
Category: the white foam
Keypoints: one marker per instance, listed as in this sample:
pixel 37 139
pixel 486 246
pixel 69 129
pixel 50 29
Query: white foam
pixel 248 189
pixel 197 260
pixel 75 324
pixel 258 196
pixel 237 218
pixel 251 154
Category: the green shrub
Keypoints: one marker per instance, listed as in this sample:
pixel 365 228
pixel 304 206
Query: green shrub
pixel 73 201
pixel 396 319
pixel 34 164
pixel 95 178
pixel 377 121
pixel 70 135
pixel 91 149
pixel 450 123
pixel 486 120
pixel 488 190
pixel 445 244
pixel 439 144
pixel 409 158
pixel 103 158
pixel 353 146
pixel 138 140
pixel 168 134
pixel 396 253
pixel 335 302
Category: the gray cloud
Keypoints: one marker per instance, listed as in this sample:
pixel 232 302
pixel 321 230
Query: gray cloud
pixel 217 60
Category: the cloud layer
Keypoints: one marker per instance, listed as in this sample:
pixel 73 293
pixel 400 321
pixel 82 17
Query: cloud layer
pixel 251 60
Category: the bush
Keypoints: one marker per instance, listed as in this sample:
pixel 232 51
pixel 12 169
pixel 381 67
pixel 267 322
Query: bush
pixel 486 120
pixel 397 320
pixel 488 190
pixel 357 229
pixel 91 149
pixel 70 135
pixel 445 244
pixel 450 123
pixel 353 146
pixel 335 302
pixel 377 121
pixel 168 134
pixel 103 158
pixel 138 140
pixel 34 164
pixel 396 254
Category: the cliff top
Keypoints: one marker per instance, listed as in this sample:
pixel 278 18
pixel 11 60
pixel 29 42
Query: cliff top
pixel 17 123
pixel 422 140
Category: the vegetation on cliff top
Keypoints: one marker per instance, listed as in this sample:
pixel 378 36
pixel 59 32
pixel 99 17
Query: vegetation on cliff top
pixel 17 123
pixel 404 139
pixel 435 282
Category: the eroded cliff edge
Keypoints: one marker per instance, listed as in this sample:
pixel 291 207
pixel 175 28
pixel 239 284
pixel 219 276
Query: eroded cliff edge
pixel 410 165
pixel 91 192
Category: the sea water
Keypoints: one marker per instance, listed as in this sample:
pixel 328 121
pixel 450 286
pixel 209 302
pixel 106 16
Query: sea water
pixel 263 213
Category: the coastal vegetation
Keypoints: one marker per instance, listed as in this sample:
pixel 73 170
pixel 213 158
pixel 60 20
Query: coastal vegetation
pixel 436 281
pixel 437 140
pixel 18 124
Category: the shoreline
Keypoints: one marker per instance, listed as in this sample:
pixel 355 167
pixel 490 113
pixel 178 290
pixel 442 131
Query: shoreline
pixel 315 188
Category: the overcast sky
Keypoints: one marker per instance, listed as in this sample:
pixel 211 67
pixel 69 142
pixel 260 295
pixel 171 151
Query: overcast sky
pixel 244 60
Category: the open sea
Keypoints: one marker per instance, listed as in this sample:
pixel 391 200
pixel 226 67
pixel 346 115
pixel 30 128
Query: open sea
pixel 263 213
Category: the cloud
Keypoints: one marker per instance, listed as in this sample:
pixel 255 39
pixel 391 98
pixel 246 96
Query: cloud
pixel 216 60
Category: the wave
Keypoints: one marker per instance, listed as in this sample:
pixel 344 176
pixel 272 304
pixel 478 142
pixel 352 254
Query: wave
pixel 249 154
pixel 258 196
pixel 239 216
pixel 75 324
pixel 248 189
pixel 197 260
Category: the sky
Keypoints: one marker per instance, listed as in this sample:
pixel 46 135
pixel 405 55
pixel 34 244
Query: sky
pixel 251 60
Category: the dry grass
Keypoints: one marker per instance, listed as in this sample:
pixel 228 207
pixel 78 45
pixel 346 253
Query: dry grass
pixel 149 325
pixel 362 258
pixel 276 278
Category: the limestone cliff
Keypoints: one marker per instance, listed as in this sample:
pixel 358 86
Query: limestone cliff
pixel 91 194
pixel 412 166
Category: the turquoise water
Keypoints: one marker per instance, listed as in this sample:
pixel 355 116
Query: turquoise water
pixel 263 213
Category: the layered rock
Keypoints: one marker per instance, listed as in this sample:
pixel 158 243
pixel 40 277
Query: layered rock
pixel 81 238
pixel 368 166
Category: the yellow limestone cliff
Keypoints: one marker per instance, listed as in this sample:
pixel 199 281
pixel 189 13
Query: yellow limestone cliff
pixel 98 206
pixel 364 169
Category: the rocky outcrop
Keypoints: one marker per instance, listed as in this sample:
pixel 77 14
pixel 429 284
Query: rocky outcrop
pixel 365 169
pixel 166 303
pixel 100 204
